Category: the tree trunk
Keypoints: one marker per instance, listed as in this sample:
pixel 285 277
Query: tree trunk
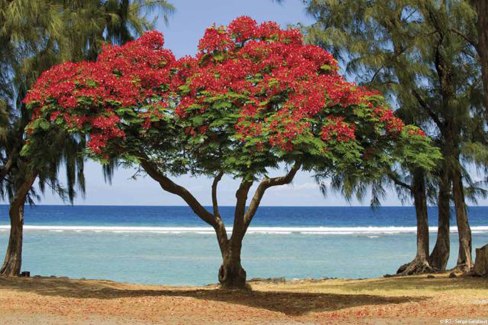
pixel 13 258
pixel 481 264
pixel 420 264
pixel 440 254
pixel 231 274
pixel 464 262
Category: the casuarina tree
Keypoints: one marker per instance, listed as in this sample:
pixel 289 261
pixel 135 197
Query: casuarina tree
pixel 416 53
pixel 254 99
pixel 481 41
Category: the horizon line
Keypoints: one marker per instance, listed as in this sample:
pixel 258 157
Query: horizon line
pixel 232 206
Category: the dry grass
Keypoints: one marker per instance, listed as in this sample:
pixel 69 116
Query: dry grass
pixel 375 301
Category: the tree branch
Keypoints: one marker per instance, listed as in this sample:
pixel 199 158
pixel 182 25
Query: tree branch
pixel 376 74
pixel 397 181
pixel 220 228
pixel 426 107
pixel 214 195
pixel 465 37
pixel 4 170
pixel 263 186
pixel 169 186
pixel 238 230
pixel 22 191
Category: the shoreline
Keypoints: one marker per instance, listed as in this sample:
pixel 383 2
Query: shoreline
pixel 393 300
pixel 285 230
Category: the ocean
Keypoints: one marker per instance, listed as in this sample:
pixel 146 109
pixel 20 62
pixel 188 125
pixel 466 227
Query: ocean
pixel 170 245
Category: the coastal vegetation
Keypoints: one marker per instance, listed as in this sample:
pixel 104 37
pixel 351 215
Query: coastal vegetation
pixel 429 58
pixel 253 98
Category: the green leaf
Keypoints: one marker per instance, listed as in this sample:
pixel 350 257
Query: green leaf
pixel 42 124
pixel 221 105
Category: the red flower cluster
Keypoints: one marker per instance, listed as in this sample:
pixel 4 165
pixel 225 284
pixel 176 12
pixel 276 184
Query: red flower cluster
pixel 416 132
pixel 392 123
pixel 335 128
pixel 215 39
pixel 258 82
pixel 280 87
pixel 86 95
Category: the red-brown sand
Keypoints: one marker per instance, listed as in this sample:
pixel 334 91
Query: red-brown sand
pixel 407 300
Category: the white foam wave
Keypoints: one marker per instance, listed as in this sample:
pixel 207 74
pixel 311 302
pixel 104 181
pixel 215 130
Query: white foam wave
pixel 252 230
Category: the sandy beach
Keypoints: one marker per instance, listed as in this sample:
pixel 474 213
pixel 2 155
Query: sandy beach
pixel 412 300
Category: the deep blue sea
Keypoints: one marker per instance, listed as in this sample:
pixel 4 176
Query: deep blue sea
pixel 169 245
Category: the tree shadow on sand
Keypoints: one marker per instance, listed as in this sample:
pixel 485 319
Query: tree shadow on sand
pixel 289 303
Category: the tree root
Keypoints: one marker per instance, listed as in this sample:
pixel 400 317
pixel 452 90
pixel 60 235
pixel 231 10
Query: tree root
pixel 461 268
pixel 417 266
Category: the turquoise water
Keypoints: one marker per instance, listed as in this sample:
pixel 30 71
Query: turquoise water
pixel 170 252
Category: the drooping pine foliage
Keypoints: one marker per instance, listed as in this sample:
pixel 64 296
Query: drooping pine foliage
pixel 414 52
pixel 36 35
pixel 419 53
pixel 479 39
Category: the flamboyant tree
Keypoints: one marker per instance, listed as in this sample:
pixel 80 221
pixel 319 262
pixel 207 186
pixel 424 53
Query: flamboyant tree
pixel 253 99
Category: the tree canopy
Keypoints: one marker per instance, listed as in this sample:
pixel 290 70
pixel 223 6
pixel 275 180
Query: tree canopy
pixel 253 98
pixel 254 95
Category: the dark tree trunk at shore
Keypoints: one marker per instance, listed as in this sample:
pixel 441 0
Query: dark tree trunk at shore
pixel 464 262
pixel 231 273
pixel 13 257
pixel 422 217
pixel 440 254
pixel 420 264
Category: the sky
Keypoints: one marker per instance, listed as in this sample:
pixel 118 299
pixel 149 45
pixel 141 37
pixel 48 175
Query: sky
pixel 182 32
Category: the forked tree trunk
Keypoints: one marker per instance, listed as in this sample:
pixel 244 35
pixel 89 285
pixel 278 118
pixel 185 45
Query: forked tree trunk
pixel 231 273
pixel 464 262
pixel 420 264
pixel 440 254
pixel 13 257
